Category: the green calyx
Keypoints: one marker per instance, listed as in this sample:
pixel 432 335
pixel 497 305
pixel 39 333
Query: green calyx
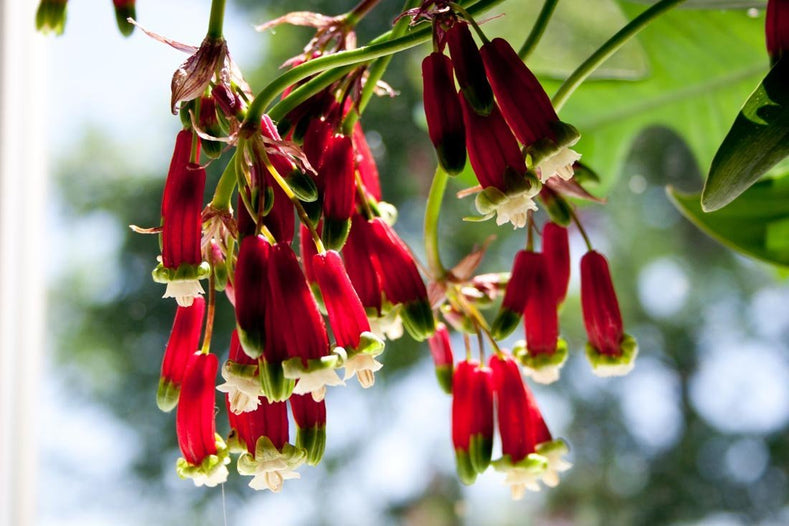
pixel 444 377
pixel 554 447
pixel 253 342
pixel 275 387
pixel 452 153
pixel 51 16
pixel 335 232
pixel 506 321
pixel 537 361
pixel 122 14
pixel 265 453
pixel 480 450
pixel 167 395
pixel 313 441
pixel 466 472
pixel 533 463
pixel 302 186
pixel 614 365
pixel 564 136
pixel 184 272
pixel 208 468
pixel 418 319
pixel 558 208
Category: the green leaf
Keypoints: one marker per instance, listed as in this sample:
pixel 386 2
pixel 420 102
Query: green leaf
pixel 714 4
pixel 757 141
pixel 756 224
pixel 701 66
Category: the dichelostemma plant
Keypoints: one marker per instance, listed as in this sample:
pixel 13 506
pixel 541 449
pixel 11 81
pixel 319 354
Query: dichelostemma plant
pixel 297 150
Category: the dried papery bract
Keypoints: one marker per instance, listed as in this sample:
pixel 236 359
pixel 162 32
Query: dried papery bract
pixel 192 77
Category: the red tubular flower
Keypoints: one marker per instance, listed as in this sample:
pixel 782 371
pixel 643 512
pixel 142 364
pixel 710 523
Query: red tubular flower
pixel 263 436
pixel 365 163
pixel 529 112
pixel 347 318
pixel 363 275
pixel 182 204
pixel 310 417
pixel 472 419
pixel 777 28
pixel 337 172
pixel 242 384
pixel 610 351
pixel 296 334
pixel 499 166
pixel 400 279
pixel 308 251
pixel 515 296
pixel 182 344
pixel 205 454
pixel 316 140
pixel 441 349
pixel 443 113
pixel 469 69
pixel 251 293
pixel 125 9
pixel 556 247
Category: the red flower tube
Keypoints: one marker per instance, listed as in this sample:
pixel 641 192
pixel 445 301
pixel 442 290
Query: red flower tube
pixel 469 70
pixel 515 295
pixel 182 264
pixel 472 419
pixel 182 344
pixel 204 453
pixel 295 331
pixel 556 247
pixel 347 318
pixel 310 417
pixel 251 292
pixel 441 349
pixel 777 28
pixel 443 113
pixel 337 172
pixel 365 163
pixel 356 254
pixel 529 112
pixel 610 351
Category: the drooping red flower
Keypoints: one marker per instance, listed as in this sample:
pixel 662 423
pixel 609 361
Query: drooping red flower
pixel 540 318
pixel 310 417
pixel 556 247
pixel 337 171
pixel 182 344
pixel 516 294
pixel 441 349
pixel 472 419
pixel 356 254
pixel 443 113
pixel 469 70
pixel 182 203
pixel 204 452
pixel 777 28
pixel 365 163
pixel 251 293
pixel 610 350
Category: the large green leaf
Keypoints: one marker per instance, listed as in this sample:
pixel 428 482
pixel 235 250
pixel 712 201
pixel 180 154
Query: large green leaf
pixel 758 139
pixel 702 65
pixel 756 224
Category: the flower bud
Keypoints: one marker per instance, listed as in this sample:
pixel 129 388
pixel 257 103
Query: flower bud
pixel 365 163
pixel 441 349
pixel 338 175
pixel 469 70
pixel 472 419
pixel 125 9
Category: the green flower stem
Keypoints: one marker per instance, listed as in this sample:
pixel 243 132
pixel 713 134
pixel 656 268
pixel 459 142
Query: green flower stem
pixel 305 91
pixel 217 19
pixel 538 29
pixel 359 12
pixel 610 47
pixel 209 324
pixel 224 188
pixel 379 47
pixel 432 211
pixel 376 71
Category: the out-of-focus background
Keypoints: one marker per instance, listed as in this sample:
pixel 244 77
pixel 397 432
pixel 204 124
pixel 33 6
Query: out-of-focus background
pixel 696 434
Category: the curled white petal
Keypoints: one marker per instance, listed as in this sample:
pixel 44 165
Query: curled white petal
pixel 243 392
pixel 515 209
pixel 313 381
pixel 184 291
pixel 520 480
pixel 387 327
pixel 559 163
pixel 216 476
pixel 363 366
pixel 547 374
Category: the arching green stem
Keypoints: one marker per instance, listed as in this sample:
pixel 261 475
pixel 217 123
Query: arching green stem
pixel 217 19
pixel 538 29
pixel 432 211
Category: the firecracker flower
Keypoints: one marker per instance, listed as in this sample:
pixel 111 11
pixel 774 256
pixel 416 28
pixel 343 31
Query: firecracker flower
pixel 310 418
pixel 515 295
pixel 337 172
pixel 556 247
pixel 472 419
pixel 610 351
pixel 205 454
pixel 182 266
pixel 251 293
pixel 267 456
pixel 182 344
pixel 365 163
pixel 356 344
pixel 777 28
pixel 441 349
pixel 242 384
pixel 529 112
pixel 469 69
pixel 443 113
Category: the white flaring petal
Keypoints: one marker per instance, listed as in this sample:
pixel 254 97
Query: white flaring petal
pixel 184 291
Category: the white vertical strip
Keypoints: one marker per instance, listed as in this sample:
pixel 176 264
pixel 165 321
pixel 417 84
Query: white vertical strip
pixel 23 135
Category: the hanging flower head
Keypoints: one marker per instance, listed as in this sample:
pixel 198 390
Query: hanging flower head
pixel 610 351
pixel 182 344
pixel 472 419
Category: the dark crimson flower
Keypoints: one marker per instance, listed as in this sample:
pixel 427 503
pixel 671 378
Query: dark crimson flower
pixel 529 452
pixel 777 28
pixel 279 220
pixel 227 101
pixel 295 333
pixel 337 171
pixel 208 123
pixel 205 454
pixel 251 293
pixel 125 9
pixel 347 318
pixel 529 112
pixel 51 16
pixel 242 384
pixel 472 419
pixel 515 295
pixel 400 279
pixel 365 163
pixel 508 188
pixel 267 455
pixel 610 351
pixel 310 417
pixel 441 349
pixel 363 275
pixel 443 113
pixel 469 70
pixel 182 344
pixel 182 263
pixel 556 247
